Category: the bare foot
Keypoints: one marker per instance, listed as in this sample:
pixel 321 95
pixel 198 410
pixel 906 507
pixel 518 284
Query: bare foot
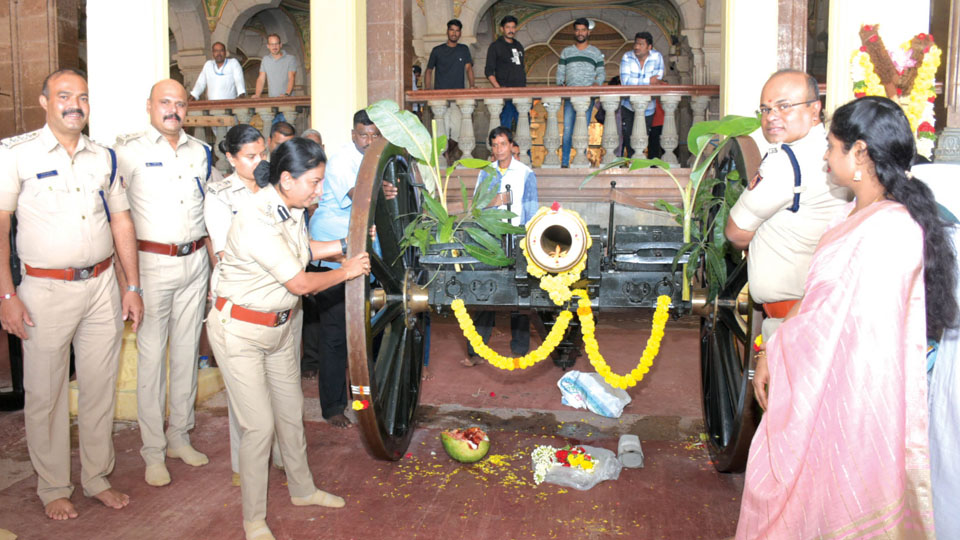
pixel 60 509
pixel 469 361
pixel 339 421
pixel 425 375
pixel 112 498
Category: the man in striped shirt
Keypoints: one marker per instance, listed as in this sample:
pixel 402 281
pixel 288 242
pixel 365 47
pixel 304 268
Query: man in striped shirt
pixel 581 64
pixel 642 65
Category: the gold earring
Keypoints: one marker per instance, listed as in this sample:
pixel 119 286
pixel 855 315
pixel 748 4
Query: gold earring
pixel 857 175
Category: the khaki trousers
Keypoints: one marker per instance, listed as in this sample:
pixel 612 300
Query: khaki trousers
pixel 174 297
pixel 261 368
pixel 86 313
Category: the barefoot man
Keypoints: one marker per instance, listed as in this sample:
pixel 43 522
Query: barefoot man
pixel 72 216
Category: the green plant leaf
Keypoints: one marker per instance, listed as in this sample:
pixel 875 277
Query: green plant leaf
pixel 667 207
pixel 487 257
pixel 434 208
pixel 643 163
pixel 694 261
pixel 445 230
pixel 486 240
pixel 612 165
pixel 401 128
pixel 497 227
pixel 683 249
pixel 429 177
pixel 719 224
pixel 464 198
pixel 733 175
pixel 441 145
pixel 697 132
pixel 734 126
pixel 497 213
pixel 715 265
pixel 483 194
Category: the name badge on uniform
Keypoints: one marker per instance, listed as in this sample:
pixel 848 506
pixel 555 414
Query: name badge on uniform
pixel 46 174
pixel 154 164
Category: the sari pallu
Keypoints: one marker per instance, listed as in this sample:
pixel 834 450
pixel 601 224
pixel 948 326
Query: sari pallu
pixel 842 450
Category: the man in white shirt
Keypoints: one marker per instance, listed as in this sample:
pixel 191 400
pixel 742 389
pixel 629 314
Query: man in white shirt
pixel 222 77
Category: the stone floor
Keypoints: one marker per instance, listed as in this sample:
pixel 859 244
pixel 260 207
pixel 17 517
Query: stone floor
pixel 677 495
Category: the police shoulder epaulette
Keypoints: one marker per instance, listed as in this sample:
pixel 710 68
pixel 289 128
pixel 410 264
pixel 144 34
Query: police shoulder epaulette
pixel 196 140
pixel 10 142
pixel 219 185
pixel 124 139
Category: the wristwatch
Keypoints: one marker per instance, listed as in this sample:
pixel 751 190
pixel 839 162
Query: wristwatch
pixel 134 288
pixel 343 246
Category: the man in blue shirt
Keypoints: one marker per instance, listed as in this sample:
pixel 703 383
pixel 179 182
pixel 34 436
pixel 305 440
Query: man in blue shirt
pixel 324 320
pixel 522 182
pixel 642 65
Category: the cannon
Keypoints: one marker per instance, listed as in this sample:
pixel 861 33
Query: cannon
pixel 627 268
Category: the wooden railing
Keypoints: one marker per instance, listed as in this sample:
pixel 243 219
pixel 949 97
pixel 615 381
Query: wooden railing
pixel 551 97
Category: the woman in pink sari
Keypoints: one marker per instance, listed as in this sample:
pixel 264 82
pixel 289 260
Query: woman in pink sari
pixel 842 449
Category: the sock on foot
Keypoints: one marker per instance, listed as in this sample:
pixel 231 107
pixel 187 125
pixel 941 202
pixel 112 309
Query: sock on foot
pixel 189 455
pixel 157 475
pixel 319 498
pixel 257 530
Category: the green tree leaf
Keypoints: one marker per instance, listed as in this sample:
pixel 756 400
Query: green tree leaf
pixel 486 240
pixel 441 146
pixel 497 227
pixel 483 194
pixel 434 208
pixel 487 257
pixel 445 231
pixel 402 128
pixel 497 213
pixel 734 126
pixel 695 137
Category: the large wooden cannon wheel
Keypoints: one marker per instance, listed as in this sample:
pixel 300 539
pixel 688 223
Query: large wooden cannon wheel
pixel 387 325
pixel 728 327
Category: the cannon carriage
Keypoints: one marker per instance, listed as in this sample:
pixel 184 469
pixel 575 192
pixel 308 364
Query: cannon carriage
pixel 627 267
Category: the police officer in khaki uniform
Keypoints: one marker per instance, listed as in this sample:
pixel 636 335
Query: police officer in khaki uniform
pixel 72 217
pixel 782 222
pixel 165 170
pixel 258 293
pixel 245 149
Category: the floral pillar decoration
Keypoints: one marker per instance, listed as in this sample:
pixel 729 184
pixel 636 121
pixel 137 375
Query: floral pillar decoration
pixel 905 74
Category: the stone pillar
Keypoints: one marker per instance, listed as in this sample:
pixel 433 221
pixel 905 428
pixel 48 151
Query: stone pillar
pixel 699 106
pixel 145 57
pixel 948 145
pixel 494 107
pixel 39 37
pixel 346 64
pixel 390 55
pixel 523 138
pixel 610 138
pixel 551 137
pixel 896 26
pixel 750 57
pixel 468 139
pixel 638 137
pixel 670 139
pixel 267 115
pixel 581 138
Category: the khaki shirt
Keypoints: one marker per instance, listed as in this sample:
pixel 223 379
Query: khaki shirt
pixel 783 245
pixel 164 186
pixel 266 247
pixel 224 199
pixel 59 200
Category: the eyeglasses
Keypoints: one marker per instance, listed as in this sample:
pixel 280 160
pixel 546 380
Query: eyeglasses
pixel 781 108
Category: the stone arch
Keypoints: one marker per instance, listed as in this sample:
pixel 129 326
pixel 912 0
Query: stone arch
pixel 191 37
pixel 249 37
pixel 235 15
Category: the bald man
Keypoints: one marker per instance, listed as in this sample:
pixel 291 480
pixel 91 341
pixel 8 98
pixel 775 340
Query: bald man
pixel 165 173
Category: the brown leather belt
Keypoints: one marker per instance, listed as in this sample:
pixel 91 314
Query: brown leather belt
pixel 173 250
pixel 255 317
pixel 70 274
pixel 779 310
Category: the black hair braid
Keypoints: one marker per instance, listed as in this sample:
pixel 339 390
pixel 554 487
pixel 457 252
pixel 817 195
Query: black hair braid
pixel 939 255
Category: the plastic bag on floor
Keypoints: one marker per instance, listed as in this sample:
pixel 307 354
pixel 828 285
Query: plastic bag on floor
pixel 607 468
pixel 589 391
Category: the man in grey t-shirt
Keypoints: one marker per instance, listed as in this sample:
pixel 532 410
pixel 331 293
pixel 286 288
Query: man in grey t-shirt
pixel 277 69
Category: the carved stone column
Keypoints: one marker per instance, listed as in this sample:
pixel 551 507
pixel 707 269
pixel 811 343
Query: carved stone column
pixel 551 138
pixel 670 138
pixel 523 128
pixel 243 115
pixel 581 137
pixel 468 139
pixel 699 106
pixel 266 115
pixel 494 106
pixel 638 138
pixel 611 138
pixel 290 114
pixel 948 145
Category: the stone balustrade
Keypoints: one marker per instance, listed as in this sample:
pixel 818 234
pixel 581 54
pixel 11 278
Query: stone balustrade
pixel 551 97
pixel 220 115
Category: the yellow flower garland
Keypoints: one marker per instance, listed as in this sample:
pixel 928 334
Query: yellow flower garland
pixel 588 328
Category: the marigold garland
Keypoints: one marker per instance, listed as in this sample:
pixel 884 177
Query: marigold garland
pixel 558 287
pixel 918 100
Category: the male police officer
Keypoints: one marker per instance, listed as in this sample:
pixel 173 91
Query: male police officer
pixel 784 211
pixel 72 217
pixel 165 170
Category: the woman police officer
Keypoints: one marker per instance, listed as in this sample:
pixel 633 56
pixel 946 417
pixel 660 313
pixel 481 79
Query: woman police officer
pixel 261 280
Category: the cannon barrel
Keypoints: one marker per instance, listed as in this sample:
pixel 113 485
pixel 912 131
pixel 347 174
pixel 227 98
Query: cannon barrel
pixel 556 241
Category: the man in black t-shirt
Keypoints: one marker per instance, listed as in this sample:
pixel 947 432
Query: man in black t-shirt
pixel 504 67
pixel 450 60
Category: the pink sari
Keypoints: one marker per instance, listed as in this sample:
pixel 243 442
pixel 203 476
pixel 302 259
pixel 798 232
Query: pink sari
pixel 842 450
